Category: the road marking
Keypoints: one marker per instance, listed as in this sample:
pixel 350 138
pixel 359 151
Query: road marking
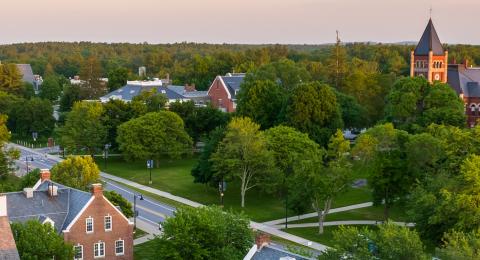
pixel 129 192
pixel 148 220
pixel 152 212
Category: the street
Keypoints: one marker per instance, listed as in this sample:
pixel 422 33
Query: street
pixel 148 209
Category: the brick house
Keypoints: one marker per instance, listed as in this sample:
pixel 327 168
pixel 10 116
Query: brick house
pixel 224 90
pixel 96 228
pixel 429 60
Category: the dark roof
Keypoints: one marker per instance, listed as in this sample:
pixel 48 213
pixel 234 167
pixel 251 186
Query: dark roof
pixel 429 42
pixel 128 92
pixel 27 72
pixel 62 208
pixel 272 253
pixel 464 80
pixel 233 83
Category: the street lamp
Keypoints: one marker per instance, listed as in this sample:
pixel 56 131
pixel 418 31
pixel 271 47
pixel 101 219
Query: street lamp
pixel 105 154
pixel 150 166
pixel 135 212
pixel 26 161
pixel 222 187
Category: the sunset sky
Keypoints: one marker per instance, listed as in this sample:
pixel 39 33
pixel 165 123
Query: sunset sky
pixel 236 21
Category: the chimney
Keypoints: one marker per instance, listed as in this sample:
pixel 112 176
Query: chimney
pixel 97 189
pixel 465 62
pixel 44 175
pixel 262 239
pixel 190 88
pixel 28 192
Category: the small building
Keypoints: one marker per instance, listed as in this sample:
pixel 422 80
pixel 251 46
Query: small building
pixel 224 89
pixel 28 76
pixel 172 92
pixel 88 220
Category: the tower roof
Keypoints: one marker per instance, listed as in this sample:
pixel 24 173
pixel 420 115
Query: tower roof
pixel 429 42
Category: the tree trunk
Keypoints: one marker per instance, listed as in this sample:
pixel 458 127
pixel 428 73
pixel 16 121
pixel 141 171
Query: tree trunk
pixel 386 206
pixel 242 192
pixel 243 198
pixel 322 214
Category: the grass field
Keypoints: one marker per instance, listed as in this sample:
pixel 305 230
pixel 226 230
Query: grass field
pixel 311 233
pixel 145 251
pixel 174 176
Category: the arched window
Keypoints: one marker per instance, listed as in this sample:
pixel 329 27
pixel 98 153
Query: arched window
pixel 473 108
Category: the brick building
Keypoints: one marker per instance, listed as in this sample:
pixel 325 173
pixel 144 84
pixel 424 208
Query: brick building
pixel 223 91
pixel 430 60
pixel 95 227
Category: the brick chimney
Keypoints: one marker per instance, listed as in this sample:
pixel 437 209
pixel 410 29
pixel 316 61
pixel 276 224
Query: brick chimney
pixel 262 239
pixel 44 174
pixel 97 189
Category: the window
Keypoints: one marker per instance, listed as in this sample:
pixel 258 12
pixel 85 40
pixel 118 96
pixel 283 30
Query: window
pixel 78 251
pixel 99 249
pixel 108 223
pixel 89 224
pixel 119 247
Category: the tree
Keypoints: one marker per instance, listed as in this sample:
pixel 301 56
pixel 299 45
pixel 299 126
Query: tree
pixel 390 241
pixel 116 112
pixel 34 115
pixel 443 106
pixel 30 179
pixel 204 233
pixel 77 172
pixel 313 109
pixel 50 89
pixel 353 115
pixel 154 101
pixel 459 245
pixel 203 172
pixel 381 150
pixel 7 155
pixel 262 100
pixel 11 79
pixel 117 200
pixel 40 241
pixel 117 78
pixel 91 73
pixel 326 177
pixel 152 136
pixel 243 155
pixel 70 95
pixel 83 127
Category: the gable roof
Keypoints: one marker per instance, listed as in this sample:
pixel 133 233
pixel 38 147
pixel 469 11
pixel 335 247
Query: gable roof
pixel 233 83
pixel 27 72
pixel 129 91
pixel 464 80
pixel 429 42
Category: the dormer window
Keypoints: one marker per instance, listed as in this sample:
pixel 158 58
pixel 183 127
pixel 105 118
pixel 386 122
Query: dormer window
pixel 89 225
pixel 108 223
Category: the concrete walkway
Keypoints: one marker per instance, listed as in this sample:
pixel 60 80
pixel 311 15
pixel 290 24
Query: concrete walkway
pixel 150 228
pixel 314 214
pixel 344 222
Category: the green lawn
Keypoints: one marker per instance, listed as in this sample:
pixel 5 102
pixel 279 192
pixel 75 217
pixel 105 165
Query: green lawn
pixel 139 233
pixel 145 251
pixel 397 213
pixel 174 176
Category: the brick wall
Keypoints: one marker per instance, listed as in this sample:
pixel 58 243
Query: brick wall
pixel 121 230
pixel 219 96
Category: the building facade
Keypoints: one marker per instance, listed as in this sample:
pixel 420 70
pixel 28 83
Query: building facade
pixel 223 91
pixel 92 224
pixel 430 60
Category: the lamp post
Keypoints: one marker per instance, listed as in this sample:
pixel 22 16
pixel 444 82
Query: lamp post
pixel 26 161
pixel 150 166
pixel 135 212
pixel 222 187
pixel 105 155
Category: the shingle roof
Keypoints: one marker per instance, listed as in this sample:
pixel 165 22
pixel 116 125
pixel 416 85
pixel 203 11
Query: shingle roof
pixel 233 83
pixel 464 81
pixel 429 42
pixel 27 72
pixel 272 253
pixel 62 208
pixel 128 92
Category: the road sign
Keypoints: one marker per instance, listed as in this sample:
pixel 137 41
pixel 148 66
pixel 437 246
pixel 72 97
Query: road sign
pixel 34 136
pixel 149 164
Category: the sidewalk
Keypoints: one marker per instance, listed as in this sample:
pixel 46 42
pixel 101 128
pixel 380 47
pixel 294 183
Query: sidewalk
pixel 314 214
pixel 344 222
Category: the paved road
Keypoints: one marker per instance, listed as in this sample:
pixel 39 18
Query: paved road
pixel 149 210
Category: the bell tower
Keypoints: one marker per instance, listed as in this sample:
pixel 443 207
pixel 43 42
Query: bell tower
pixel 429 59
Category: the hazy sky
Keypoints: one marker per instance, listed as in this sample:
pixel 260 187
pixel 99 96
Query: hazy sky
pixel 236 21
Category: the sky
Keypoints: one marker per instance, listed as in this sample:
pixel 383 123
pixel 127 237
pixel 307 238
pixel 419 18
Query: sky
pixel 236 21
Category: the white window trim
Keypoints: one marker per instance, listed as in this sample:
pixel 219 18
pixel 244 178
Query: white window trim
pixel 123 247
pixel 94 246
pixel 86 225
pixel 81 250
pixel 105 223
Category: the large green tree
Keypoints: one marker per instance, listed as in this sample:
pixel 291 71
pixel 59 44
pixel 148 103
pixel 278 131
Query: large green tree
pixel 204 233
pixel 91 74
pixel 117 78
pixel 11 79
pixel 153 136
pixel 77 172
pixel 83 128
pixel 40 241
pixel 243 155
pixel 34 115
pixel 50 89
pixel 203 172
